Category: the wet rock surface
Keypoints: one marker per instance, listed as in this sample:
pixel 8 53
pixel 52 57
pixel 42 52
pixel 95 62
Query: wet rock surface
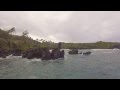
pixel 73 51
pixel 56 53
pixel 16 52
pixel 39 53
pixel 32 53
pixel 43 54
pixel 87 53
pixel 3 53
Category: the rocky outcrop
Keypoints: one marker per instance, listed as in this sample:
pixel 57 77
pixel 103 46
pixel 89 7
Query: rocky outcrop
pixel 3 53
pixel 56 53
pixel 80 52
pixel 16 52
pixel 87 53
pixel 73 51
pixel 39 53
pixel 33 53
pixel 46 55
pixel 62 54
pixel 43 54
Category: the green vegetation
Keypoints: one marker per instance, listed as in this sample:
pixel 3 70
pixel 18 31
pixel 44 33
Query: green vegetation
pixel 9 41
pixel 97 45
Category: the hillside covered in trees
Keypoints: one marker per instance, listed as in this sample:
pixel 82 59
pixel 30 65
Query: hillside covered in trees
pixel 9 41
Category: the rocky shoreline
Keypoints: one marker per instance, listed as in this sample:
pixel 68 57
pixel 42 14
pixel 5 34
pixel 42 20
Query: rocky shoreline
pixel 75 51
pixel 39 53
pixel 43 54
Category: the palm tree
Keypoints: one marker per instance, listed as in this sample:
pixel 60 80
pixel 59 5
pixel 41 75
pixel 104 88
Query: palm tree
pixel 25 34
pixel 37 40
pixel 11 31
pixel 41 40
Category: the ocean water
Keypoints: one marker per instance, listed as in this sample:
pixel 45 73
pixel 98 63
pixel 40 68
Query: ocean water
pixel 101 64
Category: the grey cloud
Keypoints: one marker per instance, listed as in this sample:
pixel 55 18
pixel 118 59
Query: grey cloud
pixel 77 26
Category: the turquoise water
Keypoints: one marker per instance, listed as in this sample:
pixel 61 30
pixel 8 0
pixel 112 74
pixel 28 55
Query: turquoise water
pixel 102 64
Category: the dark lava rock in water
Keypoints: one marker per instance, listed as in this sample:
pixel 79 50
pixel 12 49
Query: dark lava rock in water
pixel 16 52
pixel 62 53
pixel 32 53
pixel 73 51
pixel 44 54
pixel 3 53
pixel 56 53
pixel 80 52
pixel 3 56
pixel 87 53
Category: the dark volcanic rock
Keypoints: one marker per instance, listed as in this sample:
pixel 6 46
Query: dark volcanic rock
pixel 80 52
pixel 56 53
pixel 62 53
pixel 87 53
pixel 32 53
pixel 16 52
pixel 3 53
pixel 73 51
pixel 44 54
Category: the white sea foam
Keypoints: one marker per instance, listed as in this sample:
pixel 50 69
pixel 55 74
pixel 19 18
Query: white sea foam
pixel 36 60
pixel 108 52
pixel 32 60
pixel 13 57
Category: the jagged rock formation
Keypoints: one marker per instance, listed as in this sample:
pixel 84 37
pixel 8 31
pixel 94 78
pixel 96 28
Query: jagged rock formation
pixel 3 53
pixel 73 51
pixel 16 52
pixel 44 53
pixel 87 53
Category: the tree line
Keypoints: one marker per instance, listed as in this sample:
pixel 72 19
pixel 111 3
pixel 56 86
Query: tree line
pixel 9 41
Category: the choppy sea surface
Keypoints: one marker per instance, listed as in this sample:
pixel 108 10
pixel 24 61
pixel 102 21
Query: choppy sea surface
pixel 101 64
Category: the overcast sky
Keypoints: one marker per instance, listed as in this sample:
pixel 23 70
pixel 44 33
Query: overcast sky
pixel 65 26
